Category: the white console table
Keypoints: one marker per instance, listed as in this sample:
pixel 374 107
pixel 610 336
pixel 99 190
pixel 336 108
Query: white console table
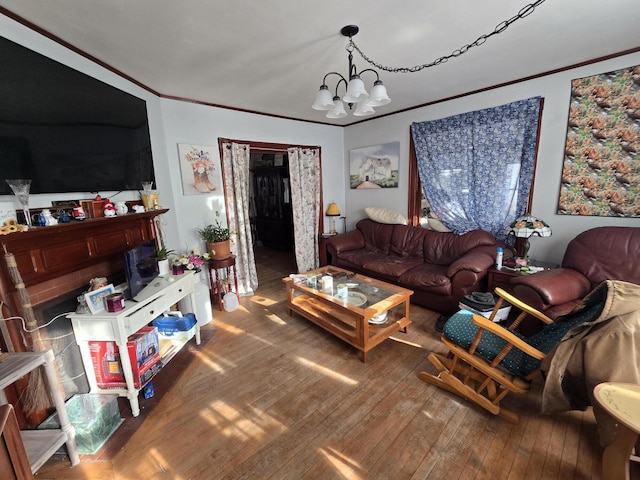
pixel 155 299
pixel 40 444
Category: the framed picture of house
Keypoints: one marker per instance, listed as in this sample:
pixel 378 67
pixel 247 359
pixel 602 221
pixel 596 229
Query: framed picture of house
pixel 201 174
pixel 374 167
pixel 602 148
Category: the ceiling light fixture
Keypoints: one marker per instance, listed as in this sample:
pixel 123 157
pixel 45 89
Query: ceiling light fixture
pixel 355 90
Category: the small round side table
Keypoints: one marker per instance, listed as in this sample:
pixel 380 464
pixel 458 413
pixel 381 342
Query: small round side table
pixel 622 402
pixel 222 269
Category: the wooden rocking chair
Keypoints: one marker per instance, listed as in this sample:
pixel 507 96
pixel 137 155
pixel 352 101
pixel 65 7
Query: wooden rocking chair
pixel 487 360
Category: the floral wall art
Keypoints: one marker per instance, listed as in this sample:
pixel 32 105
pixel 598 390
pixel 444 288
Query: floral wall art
pixel 601 170
pixel 200 173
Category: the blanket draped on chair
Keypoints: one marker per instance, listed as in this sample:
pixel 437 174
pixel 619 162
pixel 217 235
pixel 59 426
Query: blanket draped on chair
pixel 604 348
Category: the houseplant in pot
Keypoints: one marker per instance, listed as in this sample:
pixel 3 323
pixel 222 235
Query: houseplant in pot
pixel 217 239
pixel 162 254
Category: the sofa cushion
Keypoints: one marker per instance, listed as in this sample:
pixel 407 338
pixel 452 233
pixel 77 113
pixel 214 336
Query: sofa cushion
pixel 392 265
pixel 408 241
pixel 377 236
pixel 427 276
pixel 443 248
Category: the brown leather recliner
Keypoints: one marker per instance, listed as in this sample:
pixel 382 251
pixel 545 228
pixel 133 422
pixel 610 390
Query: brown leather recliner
pixel 602 253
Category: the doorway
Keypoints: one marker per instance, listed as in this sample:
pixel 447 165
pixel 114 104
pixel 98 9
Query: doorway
pixel 305 190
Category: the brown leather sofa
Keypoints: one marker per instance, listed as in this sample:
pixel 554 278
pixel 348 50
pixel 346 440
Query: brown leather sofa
pixel 440 267
pixel 602 253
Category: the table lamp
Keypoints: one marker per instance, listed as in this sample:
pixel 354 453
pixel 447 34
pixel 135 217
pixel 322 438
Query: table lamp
pixel 524 227
pixel 333 211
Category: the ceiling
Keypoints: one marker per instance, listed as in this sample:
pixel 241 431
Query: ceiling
pixel 271 57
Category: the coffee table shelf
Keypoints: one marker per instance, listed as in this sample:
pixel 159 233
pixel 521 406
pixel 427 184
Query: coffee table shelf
pixel 348 322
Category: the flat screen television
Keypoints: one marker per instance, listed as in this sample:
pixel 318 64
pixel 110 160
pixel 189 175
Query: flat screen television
pixel 141 268
pixel 67 131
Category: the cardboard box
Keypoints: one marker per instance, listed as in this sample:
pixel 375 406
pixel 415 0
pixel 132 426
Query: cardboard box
pixel 144 352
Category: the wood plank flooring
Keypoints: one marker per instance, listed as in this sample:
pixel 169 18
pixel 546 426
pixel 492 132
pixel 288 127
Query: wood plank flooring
pixel 269 396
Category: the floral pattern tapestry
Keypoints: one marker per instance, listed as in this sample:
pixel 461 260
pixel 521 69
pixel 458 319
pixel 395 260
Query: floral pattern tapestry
pixel 601 169
pixel 199 173
pixel 476 168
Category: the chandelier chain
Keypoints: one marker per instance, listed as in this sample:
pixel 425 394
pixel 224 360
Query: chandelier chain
pixel 501 27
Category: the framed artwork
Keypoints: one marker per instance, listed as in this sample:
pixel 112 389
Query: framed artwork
pixel 200 173
pixel 374 167
pixel 95 298
pixel 601 169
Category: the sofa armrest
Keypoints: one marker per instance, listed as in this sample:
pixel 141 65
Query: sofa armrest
pixel 476 261
pixel 344 242
pixel 551 287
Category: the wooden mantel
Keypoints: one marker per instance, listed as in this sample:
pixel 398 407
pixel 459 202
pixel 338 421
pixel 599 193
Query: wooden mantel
pixel 59 259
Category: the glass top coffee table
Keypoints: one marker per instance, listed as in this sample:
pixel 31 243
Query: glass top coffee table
pixel 359 310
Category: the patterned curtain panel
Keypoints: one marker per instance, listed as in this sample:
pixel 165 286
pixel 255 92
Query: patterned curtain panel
pixel 476 168
pixel 235 161
pixel 304 172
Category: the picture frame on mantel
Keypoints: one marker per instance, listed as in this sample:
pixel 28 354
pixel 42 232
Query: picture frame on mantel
pixel 374 167
pixel 201 174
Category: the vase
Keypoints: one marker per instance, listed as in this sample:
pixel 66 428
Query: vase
pixel 20 188
pixel 163 267
pixel 219 250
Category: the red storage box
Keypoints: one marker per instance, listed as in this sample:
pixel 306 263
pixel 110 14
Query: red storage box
pixel 144 352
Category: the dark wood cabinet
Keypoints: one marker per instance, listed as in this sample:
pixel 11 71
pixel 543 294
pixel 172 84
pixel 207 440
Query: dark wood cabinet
pixel 273 214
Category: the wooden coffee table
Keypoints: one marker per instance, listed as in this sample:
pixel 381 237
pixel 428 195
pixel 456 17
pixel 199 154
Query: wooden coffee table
pixel 369 314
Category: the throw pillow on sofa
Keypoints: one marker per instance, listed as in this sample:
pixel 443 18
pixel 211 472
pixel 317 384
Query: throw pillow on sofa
pixel 385 215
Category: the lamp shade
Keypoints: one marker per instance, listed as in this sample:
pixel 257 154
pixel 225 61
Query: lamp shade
pixel 333 210
pixel 338 110
pixel 355 91
pixel 323 101
pixel 363 109
pixel 527 225
pixel 378 96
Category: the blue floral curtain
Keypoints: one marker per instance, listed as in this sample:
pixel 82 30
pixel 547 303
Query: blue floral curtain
pixel 477 168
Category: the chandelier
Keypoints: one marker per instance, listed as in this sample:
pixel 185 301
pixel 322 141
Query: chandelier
pixel 355 89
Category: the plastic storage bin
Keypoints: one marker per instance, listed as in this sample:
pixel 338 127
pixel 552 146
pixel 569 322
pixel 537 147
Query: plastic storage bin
pixel 176 326
pixel 94 416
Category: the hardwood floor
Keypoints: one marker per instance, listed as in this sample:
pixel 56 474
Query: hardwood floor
pixel 270 396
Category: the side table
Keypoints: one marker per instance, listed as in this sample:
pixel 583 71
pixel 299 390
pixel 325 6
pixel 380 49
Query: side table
pixel 222 270
pixel 502 278
pixel 621 401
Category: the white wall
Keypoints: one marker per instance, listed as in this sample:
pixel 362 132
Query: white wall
pixel 172 122
pixel 202 125
pixel 556 92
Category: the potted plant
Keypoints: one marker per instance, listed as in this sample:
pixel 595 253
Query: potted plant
pixel 217 239
pixel 162 254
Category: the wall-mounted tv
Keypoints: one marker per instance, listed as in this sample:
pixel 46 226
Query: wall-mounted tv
pixel 67 131
pixel 141 268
